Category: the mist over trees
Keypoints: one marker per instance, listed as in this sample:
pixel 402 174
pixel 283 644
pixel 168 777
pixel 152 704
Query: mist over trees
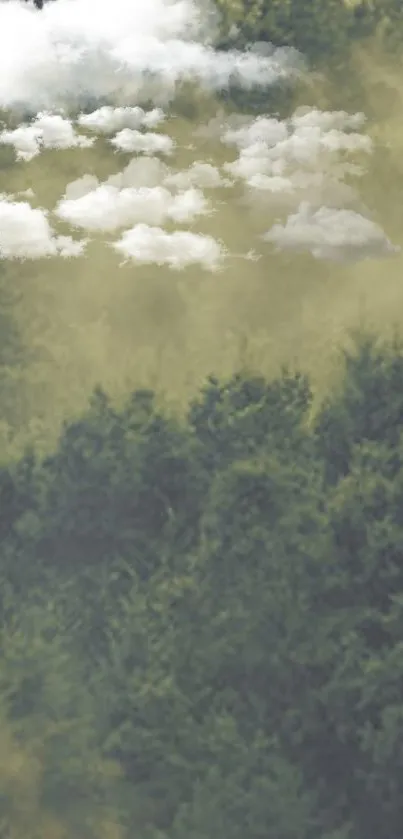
pixel 202 614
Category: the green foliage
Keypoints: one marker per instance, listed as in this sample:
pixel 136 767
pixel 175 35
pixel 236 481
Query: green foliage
pixel 319 29
pixel 238 418
pixel 312 26
pixel 13 354
pixel 52 776
pixel 118 485
pixel 202 620
pixel 369 406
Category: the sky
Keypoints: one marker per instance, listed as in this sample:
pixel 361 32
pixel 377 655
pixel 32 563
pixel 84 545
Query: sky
pixel 151 229
pixel 87 73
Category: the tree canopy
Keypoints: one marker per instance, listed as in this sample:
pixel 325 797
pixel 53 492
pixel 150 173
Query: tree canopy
pixel 201 625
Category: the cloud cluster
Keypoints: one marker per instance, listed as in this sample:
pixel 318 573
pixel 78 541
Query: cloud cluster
pixel 199 174
pixel 107 208
pixel 177 250
pixel 291 156
pixel 107 70
pixel 126 123
pixel 299 165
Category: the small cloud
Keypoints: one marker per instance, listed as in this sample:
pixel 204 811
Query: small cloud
pixel 131 140
pixel 25 139
pixel 144 171
pixel 199 174
pixel 338 235
pixel 107 120
pixel 147 245
pixel 305 117
pixel 82 186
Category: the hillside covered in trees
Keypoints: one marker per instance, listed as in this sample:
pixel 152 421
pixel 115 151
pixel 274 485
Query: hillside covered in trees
pixel 201 628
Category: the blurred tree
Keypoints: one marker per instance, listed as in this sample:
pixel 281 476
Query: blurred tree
pixel 237 418
pixel 53 781
pixel 368 406
pixel 13 354
pixel 120 484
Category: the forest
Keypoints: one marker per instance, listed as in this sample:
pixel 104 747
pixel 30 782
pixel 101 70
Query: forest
pixel 202 618
pixel 201 584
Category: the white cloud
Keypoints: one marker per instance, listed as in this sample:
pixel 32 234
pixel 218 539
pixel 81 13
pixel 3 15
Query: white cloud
pixel 327 120
pixel 274 184
pixel 130 140
pixel 58 133
pixel 302 159
pixel 25 233
pixel 186 206
pixel 107 208
pixel 145 171
pixel 25 140
pixel 50 131
pixel 82 186
pixel 267 130
pixel 179 249
pixel 199 174
pixel 333 234
pixel 28 193
pixel 270 147
pixel 78 50
pixel 79 54
pixel 107 119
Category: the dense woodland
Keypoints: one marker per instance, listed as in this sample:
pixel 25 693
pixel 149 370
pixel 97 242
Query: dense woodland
pixel 202 616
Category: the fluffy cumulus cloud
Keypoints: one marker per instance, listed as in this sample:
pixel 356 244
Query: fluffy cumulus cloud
pixel 199 174
pixel 300 165
pixel 131 140
pixel 145 245
pixel 145 171
pixel 25 233
pixel 107 119
pixel 25 140
pixel 49 131
pixel 332 234
pixel 107 207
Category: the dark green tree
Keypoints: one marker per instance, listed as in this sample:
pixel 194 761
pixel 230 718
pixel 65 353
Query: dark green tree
pixel 368 405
